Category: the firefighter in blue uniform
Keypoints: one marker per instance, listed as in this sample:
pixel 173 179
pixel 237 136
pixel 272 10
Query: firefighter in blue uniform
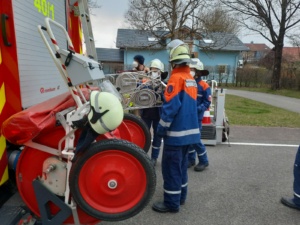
pixel 295 201
pixel 203 102
pixel 179 128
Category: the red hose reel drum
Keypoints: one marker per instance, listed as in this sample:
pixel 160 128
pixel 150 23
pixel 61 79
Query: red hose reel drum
pixel 31 161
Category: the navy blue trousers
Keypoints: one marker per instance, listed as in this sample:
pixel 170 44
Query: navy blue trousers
pixel 200 149
pixel 297 178
pixel 156 139
pixel 174 171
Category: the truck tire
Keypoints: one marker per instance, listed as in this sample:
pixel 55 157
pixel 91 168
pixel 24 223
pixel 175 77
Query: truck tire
pixel 140 133
pixel 112 180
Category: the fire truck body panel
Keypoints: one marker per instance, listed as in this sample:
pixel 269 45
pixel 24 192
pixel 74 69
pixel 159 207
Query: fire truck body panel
pixel 39 77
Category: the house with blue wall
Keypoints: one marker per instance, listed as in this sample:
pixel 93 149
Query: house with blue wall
pixel 219 52
pixel 112 60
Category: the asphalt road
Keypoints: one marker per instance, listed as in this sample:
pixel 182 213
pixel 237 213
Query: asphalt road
pixel 291 104
pixel 242 186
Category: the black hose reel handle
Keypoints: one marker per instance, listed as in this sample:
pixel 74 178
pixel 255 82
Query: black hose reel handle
pixel 4 17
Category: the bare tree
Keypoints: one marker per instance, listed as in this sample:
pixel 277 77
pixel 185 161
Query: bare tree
pixel 272 19
pixel 168 14
pixel 93 4
pixel 294 40
pixel 217 19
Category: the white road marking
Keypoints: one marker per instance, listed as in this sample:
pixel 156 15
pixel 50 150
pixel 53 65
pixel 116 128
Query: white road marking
pixel 261 144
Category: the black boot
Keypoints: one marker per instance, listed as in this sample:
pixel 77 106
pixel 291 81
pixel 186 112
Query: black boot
pixel 289 203
pixel 162 208
pixel 200 167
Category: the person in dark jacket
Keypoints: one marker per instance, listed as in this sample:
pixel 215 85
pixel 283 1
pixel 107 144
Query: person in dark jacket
pixel 294 202
pixel 151 116
pixel 203 103
pixel 138 63
pixel 179 128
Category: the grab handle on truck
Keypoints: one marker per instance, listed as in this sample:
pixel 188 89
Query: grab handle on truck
pixel 4 17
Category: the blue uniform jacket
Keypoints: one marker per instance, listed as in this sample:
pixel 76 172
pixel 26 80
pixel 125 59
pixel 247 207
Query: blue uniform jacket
pixel 179 120
pixel 203 98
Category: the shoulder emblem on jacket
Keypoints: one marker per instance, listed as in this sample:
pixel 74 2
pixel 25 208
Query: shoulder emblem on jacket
pixel 171 91
pixel 170 88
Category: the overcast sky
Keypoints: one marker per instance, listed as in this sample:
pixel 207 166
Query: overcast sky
pixel 107 19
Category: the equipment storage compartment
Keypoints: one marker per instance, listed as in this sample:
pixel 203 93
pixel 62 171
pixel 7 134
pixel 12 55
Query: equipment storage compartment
pixel 81 69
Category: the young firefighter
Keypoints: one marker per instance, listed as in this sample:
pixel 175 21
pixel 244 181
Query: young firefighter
pixel 179 128
pixel 151 116
pixel 203 102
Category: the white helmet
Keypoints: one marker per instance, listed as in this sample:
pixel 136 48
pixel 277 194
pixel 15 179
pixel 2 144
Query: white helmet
pixel 106 112
pixel 198 64
pixel 156 63
pixel 175 43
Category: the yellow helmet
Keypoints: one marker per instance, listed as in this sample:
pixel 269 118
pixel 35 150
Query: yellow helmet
pixel 106 112
pixel 174 43
pixel 180 54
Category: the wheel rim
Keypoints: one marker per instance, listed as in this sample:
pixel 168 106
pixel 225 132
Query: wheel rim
pixel 137 133
pixel 112 181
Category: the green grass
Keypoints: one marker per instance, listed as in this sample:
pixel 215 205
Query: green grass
pixel 283 92
pixel 242 111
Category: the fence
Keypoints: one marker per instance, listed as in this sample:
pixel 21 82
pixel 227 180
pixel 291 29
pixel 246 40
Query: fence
pixel 248 76
pixel 261 77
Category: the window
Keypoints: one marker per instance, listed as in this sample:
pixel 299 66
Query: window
pixel 222 68
pixel 152 39
pixel 208 41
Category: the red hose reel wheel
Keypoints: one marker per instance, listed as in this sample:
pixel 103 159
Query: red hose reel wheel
pixel 121 132
pixel 112 180
pixel 140 133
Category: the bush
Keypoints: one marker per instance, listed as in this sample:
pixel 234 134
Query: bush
pixel 290 75
pixel 253 76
